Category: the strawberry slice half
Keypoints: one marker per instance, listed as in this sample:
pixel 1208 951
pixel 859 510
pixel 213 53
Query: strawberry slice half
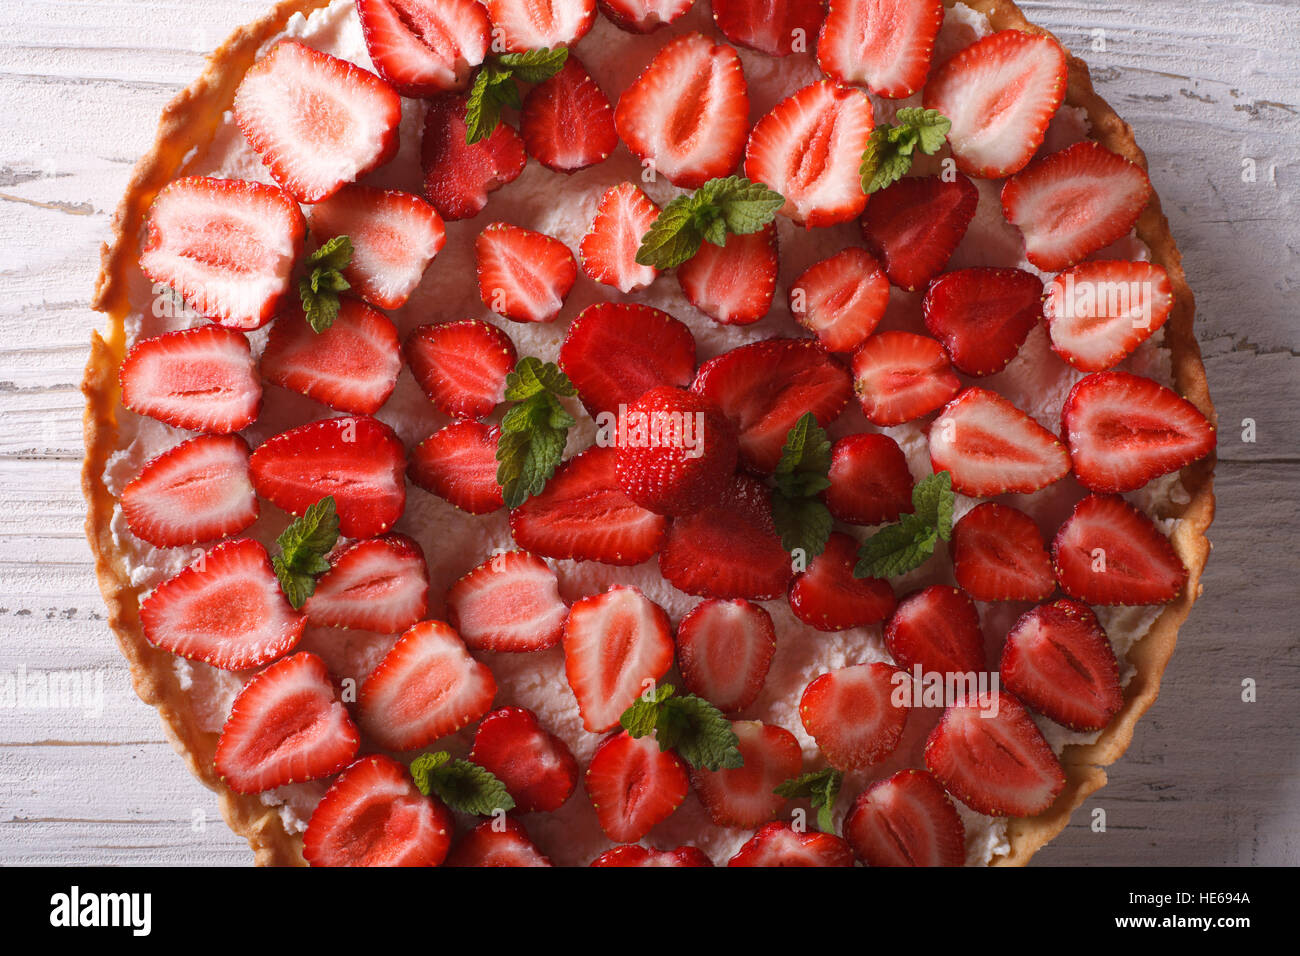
pixel 633 854
pixel 425 47
pixel 196 491
pixel 615 352
pixel 769 26
pixel 379 584
pixel 779 844
pixel 567 121
pixel 534 764
pixel 900 376
pixel 613 642
pixel 394 234
pixel 643 16
pixel 356 459
pixel 1123 430
pixel 766 386
pixel 584 515
pixel 829 597
pixel 884 45
pixel 982 316
pixel 1107 552
pixel 809 148
pixel 744 796
pixel 351 366
pixel 724 650
pixel 1074 202
pixel 459 464
pixel 998 554
pixel 523 275
pixel 227 246
pixel 494 843
pixel 1058 660
pixel 1098 312
pixel 850 713
pixel 1000 93
pixel 841 299
pixel 529 24
pixel 425 688
pixel 993 448
pixel 201 379
pixel 286 726
pixel 733 284
pixel 458 176
pixel 373 815
pixel 688 112
pixel 906 820
pixel 317 121
pixel 938 630
pixel 608 250
pixel 634 786
pixel 914 225
pixel 462 365
pixel 226 610
pixel 510 602
pixel 988 753
pixel 871 482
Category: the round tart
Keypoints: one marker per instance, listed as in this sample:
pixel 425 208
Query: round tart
pixel 911 282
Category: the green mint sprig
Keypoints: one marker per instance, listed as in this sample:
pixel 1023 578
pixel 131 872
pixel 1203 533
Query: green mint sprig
pixel 495 86
pixel 802 519
pixel 720 207
pixel 891 148
pixel 320 288
pixel 460 784
pixel 821 787
pixel 303 546
pixel 899 548
pixel 534 430
pixel 698 731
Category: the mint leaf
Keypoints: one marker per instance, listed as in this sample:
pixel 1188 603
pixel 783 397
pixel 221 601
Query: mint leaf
pixel 804 524
pixel 698 731
pixel 822 787
pixel 728 206
pixel 532 375
pixel 319 289
pixel 891 148
pixel 534 431
pixel 460 784
pixel 802 520
pixel 303 546
pixel 494 86
pixel 640 719
pixel 933 501
pixel 534 66
pixel 896 549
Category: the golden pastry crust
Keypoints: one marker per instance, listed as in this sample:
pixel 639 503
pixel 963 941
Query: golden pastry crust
pixel 190 121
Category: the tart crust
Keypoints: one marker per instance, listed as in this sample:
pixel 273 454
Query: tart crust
pixel 190 121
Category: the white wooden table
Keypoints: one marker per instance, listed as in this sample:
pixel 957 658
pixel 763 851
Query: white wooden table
pixel 1208 86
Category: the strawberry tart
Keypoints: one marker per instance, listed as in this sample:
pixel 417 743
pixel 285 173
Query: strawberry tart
pixel 646 433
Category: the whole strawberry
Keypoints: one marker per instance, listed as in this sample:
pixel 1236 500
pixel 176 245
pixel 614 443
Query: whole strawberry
pixel 676 451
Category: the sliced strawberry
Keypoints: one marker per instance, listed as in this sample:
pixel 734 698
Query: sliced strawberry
pixel 286 726
pixel 394 236
pixel 687 113
pixel 841 299
pixel 583 515
pixel 899 376
pixel 634 786
pixel 988 753
pixel 829 597
pixel 457 175
pixel 998 554
pixel 733 284
pixel 461 365
pixel 633 854
pixel 1099 312
pixel 510 602
pixel 613 643
pixel 1123 430
pixel 884 45
pixel 523 275
pixel 425 688
pixel 534 764
pixel 425 47
pixel 993 448
pixel 201 379
pixel 317 121
pixel 766 386
pixel 744 796
pixel 1108 552
pixel 226 609
pixel 729 551
pixel 379 584
pixel 1073 202
pixel 567 121
pixel 779 844
pixel 1058 660
pixel 643 16
pixel 914 225
pixel 870 480
pixel 372 815
pixel 983 316
pixel 724 650
pixel 852 716
pixel 1000 93
pixel 677 452
pixel 529 24
pixel 496 842
pixel 459 463
pixel 227 246
pixel 774 27
pixel 906 820
pixel 196 491
pixel 351 366
pixel 938 630
pixel 356 459
pixel 608 250
pixel 809 148
pixel 615 352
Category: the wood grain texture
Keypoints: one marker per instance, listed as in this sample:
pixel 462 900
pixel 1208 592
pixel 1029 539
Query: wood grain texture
pixel 1208 779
